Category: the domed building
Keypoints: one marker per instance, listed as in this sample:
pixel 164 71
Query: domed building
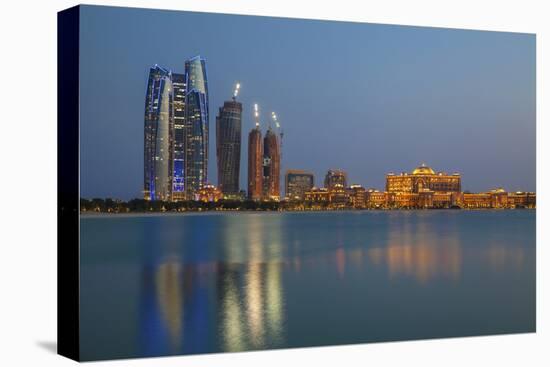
pixel 423 187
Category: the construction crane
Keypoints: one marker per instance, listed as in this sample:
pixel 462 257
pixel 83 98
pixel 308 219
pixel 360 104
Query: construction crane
pixel 256 115
pixel 281 133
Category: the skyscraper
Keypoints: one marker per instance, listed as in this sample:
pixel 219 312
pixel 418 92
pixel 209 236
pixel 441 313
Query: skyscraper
pixel 178 187
pixel 196 126
pixel 272 166
pixel 255 160
pixel 228 145
pixel 158 135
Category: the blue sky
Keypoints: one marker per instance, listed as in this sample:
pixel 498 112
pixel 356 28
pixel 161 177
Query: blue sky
pixel 366 98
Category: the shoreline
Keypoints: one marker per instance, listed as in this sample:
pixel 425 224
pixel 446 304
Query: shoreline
pixel 274 212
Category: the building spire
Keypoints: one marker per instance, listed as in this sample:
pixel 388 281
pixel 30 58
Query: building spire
pixel 236 91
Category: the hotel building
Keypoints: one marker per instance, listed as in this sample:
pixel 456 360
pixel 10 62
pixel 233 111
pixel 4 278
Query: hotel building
pixel 196 126
pixel 178 187
pixel 158 135
pixel 297 183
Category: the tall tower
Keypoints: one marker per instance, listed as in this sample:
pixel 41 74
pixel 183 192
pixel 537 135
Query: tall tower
pixel 178 186
pixel 158 135
pixel 255 160
pixel 272 166
pixel 228 144
pixel 196 126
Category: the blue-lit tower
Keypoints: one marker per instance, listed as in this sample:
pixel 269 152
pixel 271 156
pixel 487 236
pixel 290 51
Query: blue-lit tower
pixel 179 91
pixel 196 126
pixel 158 135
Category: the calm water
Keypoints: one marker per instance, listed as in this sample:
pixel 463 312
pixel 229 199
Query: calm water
pixel 186 284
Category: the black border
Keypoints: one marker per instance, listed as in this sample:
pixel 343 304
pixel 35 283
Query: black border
pixel 68 328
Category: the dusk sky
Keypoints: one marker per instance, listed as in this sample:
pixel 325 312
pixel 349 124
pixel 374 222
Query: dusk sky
pixel 366 98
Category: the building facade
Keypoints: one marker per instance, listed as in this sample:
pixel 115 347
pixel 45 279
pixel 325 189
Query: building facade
pixel 228 147
pixel 196 126
pixel 179 91
pixel 423 178
pixel 297 183
pixel 335 177
pixel 356 196
pixel 271 166
pixel 255 164
pixel 158 135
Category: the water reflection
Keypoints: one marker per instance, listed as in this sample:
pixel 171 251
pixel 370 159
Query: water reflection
pixel 415 249
pixel 195 284
pixel 502 258
pixel 179 295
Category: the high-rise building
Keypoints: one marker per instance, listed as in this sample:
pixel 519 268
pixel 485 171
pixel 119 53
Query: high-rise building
pixel 196 126
pixel 158 135
pixel 272 166
pixel 335 177
pixel 228 146
pixel 297 183
pixel 255 161
pixel 179 91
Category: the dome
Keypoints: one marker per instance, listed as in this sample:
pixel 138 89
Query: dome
pixel 423 170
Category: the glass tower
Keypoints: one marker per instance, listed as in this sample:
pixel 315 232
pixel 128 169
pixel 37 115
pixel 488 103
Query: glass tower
pixel 178 187
pixel 158 135
pixel 228 146
pixel 196 126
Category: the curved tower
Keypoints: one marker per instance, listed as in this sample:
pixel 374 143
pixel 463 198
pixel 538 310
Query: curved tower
pixel 158 135
pixel 228 145
pixel 196 126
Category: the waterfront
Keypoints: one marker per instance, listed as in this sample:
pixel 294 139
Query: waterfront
pixel 197 283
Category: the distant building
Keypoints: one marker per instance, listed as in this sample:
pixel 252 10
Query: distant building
pixel 271 166
pixel 158 135
pixel 255 164
pixel 423 178
pixel 196 125
pixel 476 200
pixel 356 196
pixel 335 177
pixel 297 183
pixel 317 198
pixel 208 193
pixel 520 199
pixel 228 146
pixel 375 199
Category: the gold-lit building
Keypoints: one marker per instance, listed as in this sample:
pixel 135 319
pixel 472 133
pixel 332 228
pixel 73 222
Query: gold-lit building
pixel 356 196
pixel 375 199
pixel 498 199
pixel 423 178
pixel 317 197
pixel 209 193
pixel 520 199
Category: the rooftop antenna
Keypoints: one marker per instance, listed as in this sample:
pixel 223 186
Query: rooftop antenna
pixel 256 115
pixel 236 91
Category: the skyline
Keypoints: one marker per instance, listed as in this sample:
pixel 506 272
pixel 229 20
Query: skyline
pixel 499 152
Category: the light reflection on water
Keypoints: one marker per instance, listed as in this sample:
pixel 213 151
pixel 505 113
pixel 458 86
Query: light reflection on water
pixel 213 283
